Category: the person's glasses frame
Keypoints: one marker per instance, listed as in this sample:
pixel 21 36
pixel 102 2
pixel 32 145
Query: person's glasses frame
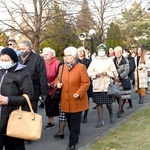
pixel 9 44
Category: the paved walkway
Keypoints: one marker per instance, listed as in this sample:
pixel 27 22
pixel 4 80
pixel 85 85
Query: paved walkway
pixel 88 131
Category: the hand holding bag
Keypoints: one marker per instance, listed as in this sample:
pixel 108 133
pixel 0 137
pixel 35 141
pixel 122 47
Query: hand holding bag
pixel 57 94
pixel 24 124
pixel 114 90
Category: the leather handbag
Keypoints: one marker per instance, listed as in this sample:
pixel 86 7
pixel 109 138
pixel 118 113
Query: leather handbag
pixel 24 124
pixel 114 90
pixel 126 84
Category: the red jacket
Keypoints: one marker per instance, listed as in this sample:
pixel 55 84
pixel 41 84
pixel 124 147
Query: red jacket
pixel 51 71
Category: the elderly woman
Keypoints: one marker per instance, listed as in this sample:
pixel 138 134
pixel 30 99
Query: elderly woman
pixel 122 65
pixel 52 65
pixel 15 81
pixel 74 100
pixel 101 71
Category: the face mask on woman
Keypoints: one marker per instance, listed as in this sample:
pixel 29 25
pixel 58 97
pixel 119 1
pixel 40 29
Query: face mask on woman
pixel 6 64
pixel 101 53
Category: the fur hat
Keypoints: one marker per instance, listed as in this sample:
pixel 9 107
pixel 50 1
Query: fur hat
pixel 10 52
pixel 101 46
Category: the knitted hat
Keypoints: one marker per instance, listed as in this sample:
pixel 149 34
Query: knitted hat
pixel 101 46
pixel 10 52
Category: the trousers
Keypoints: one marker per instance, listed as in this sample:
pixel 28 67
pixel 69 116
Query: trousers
pixel 74 123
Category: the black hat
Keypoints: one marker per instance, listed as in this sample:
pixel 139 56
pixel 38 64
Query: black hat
pixel 11 53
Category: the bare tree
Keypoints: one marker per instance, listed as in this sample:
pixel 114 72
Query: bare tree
pixel 27 18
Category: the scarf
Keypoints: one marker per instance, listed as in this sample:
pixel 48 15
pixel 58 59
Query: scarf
pixel 71 65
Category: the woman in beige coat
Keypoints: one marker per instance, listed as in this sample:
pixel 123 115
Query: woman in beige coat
pixel 101 71
pixel 74 100
pixel 141 79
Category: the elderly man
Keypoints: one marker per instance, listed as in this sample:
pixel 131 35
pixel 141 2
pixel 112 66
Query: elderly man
pixel 36 66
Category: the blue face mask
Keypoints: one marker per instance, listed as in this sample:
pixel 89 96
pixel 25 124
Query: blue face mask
pixel 6 64
pixel 101 53
pixel 23 54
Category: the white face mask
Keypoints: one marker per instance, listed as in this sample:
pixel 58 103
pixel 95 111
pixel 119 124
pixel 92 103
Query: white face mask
pixel 6 64
pixel 101 53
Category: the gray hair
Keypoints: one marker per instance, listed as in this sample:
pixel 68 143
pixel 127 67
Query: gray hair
pixel 48 49
pixel 118 48
pixel 27 43
pixel 73 51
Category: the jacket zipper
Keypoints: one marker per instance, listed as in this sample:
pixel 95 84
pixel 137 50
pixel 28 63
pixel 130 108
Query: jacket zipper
pixel 1 88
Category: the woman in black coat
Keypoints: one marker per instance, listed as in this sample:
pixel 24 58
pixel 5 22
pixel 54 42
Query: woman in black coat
pixel 83 59
pixel 15 81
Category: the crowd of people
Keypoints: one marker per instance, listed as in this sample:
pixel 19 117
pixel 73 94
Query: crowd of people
pixel 84 76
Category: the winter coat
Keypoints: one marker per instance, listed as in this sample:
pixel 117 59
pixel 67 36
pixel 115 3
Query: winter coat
pixel 123 71
pixel 131 68
pixel 51 72
pixel 87 62
pixel 14 82
pixel 141 69
pixel 74 81
pixel 36 66
pixel 100 65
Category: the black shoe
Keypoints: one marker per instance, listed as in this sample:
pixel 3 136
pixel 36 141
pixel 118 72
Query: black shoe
pixel 49 126
pixel 84 120
pixel 94 107
pixel 122 111
pixel 129 107
pixel 118 115
pixel 141 102
pixel 71 147
pixel 59 136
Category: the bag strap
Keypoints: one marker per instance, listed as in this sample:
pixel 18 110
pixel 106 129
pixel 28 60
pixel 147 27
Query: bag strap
pixel 29 102
pixel 60 80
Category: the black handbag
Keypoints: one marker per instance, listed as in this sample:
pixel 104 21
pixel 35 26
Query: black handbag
pixel 126 84
pixel 57 93
pixel 114 90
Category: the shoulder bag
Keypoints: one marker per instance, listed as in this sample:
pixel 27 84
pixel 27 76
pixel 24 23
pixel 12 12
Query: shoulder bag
pixel 126 84
pixel 23 124
pixel 114 90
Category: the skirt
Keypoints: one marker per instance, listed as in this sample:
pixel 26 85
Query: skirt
pixel 51 107
pixel 102 98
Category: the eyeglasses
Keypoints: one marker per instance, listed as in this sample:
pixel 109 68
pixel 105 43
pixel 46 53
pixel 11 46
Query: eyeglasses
pixel 67 55
pixel 9 44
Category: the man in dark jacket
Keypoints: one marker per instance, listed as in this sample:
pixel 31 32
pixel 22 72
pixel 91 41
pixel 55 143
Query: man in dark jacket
pixel 36 66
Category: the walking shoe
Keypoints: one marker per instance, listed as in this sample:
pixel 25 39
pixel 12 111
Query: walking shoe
pixel 49 126
pixel 100 123
pixel 122 111
pixel 118 115
pixel 129 107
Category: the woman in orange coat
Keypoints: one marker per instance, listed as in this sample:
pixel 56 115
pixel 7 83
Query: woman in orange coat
pixel 74 100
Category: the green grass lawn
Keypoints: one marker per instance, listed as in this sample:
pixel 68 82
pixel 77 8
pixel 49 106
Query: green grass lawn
pixel 133 134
